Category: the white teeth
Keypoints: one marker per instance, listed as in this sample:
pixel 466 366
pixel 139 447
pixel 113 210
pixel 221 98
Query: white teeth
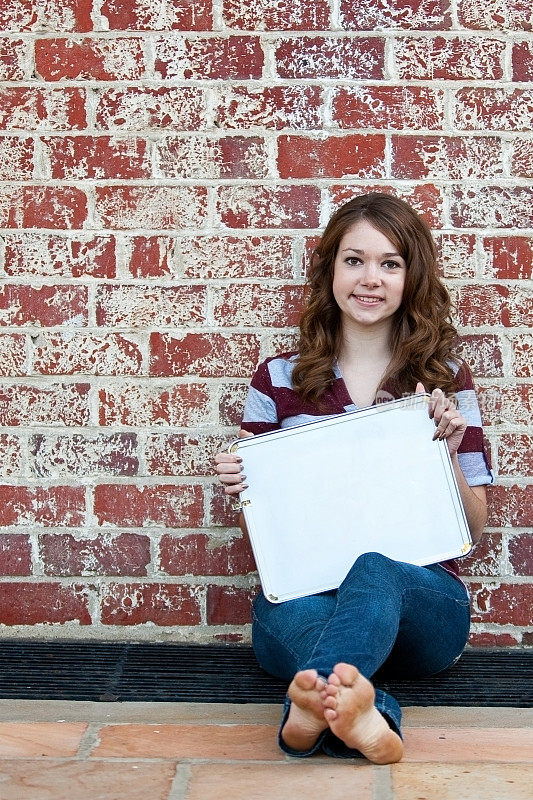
pixel 370 300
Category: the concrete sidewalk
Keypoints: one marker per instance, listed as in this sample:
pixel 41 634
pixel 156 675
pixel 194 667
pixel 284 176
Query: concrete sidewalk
pixel 52 750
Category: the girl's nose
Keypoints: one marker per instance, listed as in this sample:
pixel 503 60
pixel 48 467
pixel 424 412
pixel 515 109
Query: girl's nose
pixel 371 275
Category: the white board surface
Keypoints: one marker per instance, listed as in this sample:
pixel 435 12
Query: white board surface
pixel 323 493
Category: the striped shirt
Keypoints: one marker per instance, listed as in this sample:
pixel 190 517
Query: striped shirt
pixel 272 404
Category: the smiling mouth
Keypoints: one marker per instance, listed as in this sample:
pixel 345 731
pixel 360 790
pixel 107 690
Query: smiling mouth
pixel 368 301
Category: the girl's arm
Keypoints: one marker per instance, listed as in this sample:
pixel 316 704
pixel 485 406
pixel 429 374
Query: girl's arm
pixel 474 502
pixel 451 426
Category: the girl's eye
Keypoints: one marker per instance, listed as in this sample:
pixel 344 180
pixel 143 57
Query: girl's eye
pixel 391 264
pixel 353 261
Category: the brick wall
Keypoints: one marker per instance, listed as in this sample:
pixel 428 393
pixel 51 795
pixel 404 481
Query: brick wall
pixel 165 169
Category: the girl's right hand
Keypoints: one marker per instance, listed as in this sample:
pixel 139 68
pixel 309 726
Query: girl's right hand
pixel 228 467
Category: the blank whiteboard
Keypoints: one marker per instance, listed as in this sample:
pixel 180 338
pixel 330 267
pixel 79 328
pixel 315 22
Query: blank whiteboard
pixel 323 493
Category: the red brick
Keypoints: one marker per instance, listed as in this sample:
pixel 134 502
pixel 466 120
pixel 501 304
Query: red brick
pixel 407 14
pixel 282 341
pixel 57 404
pixel 75 454
pixel 485 559
pixel 523 61
pixel 229 637
pixel 460 58
pixel 510 506
pixel 141 506
pixel 34 109
pixel 231 403
pixel 494 109
pixel 221 513
pixel 185 405
pixel 457 254
pixel 15 554
pixel 426 199
pixel 256 305
pixel 72 354
pixel 201 555
pixel 16 158
pixel 207 257
pixel 492 207
pixel 493 639
pixel 46 306
pixel 508 257
pixel 203 158
pixel 522 356
pixel 493 305
pixel 388 107
pixel 515 15
pixel 269 207
pixel 90 58
pixel 135 108
pixel 153 256
pixel 333 157
pixel 483 354
pixel 522 158
pixel 28 254
pixel 109 554
pixel 142 306
pixel 233 58
pixel 296 15
pixel 43 207
pixel 212 355
pixel 277 107
pixel 12 458
pixel 446 157
pixel 37 603
pixel 123 15
pixel 504 604
pixel 508 404
pixel 228 605
pixel 181 454
pixel 14 62
pixel 57 505
pixel 324 57
pixel 171 207
pixel 81 157
pixel 515 455
pixel 521 554
pixel 12 354
pixel 160 603
pixel 49 15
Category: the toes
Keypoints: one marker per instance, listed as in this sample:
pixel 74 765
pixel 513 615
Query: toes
pixel 307 679
pixel 334 679
pixel 330 714
pixel 346 674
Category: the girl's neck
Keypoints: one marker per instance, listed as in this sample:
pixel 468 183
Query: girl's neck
pixel 365 345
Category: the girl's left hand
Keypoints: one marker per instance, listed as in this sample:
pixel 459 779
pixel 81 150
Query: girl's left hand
pixel 450 424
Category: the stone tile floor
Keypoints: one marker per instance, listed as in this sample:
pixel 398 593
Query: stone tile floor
pixel 192 751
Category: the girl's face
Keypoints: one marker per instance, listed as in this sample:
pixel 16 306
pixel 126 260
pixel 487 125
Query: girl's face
pixel 368 278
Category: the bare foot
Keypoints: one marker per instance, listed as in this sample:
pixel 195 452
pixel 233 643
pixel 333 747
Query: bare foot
pixel 350 712
pixel 306 716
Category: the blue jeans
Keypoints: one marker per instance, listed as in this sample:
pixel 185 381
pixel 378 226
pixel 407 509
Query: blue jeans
pixel 412 621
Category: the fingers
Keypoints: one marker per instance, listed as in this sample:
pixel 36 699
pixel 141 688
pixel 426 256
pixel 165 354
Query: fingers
pixel 420 388
pixel 448 418
pixel 228 467
pixel 244 434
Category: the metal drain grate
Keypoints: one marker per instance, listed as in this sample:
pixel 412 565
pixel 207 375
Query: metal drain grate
pixel 230 674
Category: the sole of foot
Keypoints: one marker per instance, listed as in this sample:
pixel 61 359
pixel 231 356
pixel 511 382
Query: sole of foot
pixel 352 716
pixel 306 720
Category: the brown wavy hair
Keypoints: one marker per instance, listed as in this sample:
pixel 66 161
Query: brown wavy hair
pixel 423 337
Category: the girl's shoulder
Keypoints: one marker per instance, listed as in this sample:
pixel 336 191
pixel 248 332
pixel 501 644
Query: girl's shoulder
pixel 277 368
pixel 463 375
